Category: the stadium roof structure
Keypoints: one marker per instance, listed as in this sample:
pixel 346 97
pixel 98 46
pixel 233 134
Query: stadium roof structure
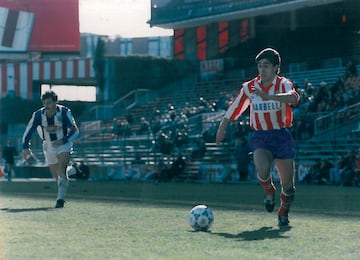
pixel 175 14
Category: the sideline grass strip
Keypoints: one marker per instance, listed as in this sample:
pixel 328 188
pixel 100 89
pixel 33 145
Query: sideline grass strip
pixel 145 221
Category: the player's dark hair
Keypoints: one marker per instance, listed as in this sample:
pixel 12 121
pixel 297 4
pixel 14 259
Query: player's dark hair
pixel 271 55
pixel 49 94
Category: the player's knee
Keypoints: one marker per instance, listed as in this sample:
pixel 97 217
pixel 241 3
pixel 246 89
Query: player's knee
pixel 263 173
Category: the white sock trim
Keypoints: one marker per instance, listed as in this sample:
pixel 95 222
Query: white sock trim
pixel 260 179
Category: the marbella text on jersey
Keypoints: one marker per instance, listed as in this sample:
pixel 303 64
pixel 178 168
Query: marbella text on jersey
pixel 264 114
pixel 266 106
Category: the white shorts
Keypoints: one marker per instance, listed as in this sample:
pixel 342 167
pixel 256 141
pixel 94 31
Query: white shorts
pixel 51 153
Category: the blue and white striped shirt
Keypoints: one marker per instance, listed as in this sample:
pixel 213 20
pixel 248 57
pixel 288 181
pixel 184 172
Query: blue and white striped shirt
pixel 61 126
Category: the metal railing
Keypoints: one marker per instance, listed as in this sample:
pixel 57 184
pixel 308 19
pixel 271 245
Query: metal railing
pixel 339 121
pixel 138 96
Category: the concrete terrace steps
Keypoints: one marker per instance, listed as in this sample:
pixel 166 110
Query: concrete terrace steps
pixel 327 149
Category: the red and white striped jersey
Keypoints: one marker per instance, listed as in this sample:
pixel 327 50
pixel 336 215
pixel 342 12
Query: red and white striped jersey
pixel 264 114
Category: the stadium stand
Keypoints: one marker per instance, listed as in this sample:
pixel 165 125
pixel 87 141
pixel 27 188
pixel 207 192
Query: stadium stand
pixel 328 75
pixel 105 152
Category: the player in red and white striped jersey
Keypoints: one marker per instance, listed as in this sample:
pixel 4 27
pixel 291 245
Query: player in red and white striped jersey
pixel 270 97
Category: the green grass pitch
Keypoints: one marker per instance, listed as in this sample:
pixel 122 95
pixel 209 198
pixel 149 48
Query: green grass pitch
pixel 125 220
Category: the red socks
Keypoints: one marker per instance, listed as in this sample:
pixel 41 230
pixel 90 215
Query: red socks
pixel 285 204
pixel 268 186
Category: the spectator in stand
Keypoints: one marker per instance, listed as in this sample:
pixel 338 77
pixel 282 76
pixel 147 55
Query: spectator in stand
pixel 164 144
pixel 336 95
pixel 222 101
pixel 136 171
pixel 206 106
pixel 186 109
pixel 321 98
pixel 356 181
pixel 177 168
pixel 156 175
pixel 137 160
pixel 313 172
pixel 304 128
pixel 183 120
pixel 156 112
pixel 242 157
pixel 129 119
pixel 181 139
pixel 124 129
pixel 8 154
pixel 352 86
pixel 155 125
pixel 242 127
pixel 319 172
pixel 347 92
pixel 304 100
pixel 144 126
pixel 209 135
pixel 309 88
pixel 335 171
pixel 116 128
pixel 164 120
pixel 347 172
pixel 323 174
pixel 198 149
pixel 321 106
pixel 227 102
pixel 350 70
pixel 302 121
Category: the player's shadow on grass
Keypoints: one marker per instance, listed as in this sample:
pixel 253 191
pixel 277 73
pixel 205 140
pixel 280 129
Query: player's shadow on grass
pixel 260 234
pixel 10 210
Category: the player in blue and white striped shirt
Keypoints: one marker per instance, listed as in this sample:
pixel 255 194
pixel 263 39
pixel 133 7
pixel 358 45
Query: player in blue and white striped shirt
pixel 57 128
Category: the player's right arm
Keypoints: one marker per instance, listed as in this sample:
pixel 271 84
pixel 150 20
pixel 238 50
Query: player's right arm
pixel 220 134
pixel 30 128
pixel 237 107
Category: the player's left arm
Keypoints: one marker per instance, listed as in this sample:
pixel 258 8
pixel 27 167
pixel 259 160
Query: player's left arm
pixel 289 98
pixel 289 94
pixel 70 124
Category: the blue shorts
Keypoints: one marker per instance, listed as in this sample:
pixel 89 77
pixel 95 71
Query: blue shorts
pixel 279 142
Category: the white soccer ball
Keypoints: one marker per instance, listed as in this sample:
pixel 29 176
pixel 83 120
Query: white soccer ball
pixel 201 218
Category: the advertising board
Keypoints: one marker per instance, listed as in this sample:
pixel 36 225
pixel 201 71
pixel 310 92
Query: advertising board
pixel 39 26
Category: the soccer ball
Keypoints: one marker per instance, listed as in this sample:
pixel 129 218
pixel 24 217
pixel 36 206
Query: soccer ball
pixel 201 218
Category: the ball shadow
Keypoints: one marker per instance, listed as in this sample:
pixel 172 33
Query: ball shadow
pixel 259 234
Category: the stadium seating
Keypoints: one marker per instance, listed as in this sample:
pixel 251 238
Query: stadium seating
pixel 328 75
pixel 101 149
